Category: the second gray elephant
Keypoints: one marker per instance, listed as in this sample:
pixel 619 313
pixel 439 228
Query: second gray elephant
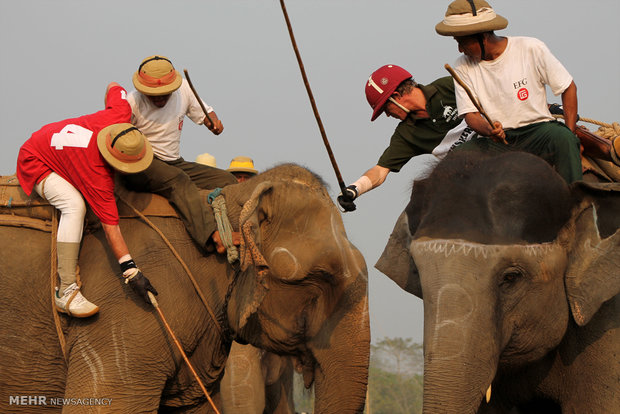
pixel 520 276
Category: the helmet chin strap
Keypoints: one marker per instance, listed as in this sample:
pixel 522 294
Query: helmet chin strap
pixel 480 37
pixel 399 105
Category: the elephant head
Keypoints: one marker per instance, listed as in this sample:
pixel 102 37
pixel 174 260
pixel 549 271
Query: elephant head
pixel 302 289
pixel 519 283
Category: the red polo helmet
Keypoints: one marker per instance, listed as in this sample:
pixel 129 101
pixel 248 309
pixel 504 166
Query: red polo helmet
pixel 382 84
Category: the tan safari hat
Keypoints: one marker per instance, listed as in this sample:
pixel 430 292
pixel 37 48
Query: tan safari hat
pixel 156 76
pixel 242 164
pixel 125 148
pixel 206 159
pixel 468 17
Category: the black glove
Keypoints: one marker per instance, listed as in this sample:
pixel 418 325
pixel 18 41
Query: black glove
pixel 141 285
pixel 346 198
pixel 556 109
pixel 138 282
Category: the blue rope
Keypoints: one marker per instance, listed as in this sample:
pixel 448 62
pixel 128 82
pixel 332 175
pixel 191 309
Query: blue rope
pixel 213 195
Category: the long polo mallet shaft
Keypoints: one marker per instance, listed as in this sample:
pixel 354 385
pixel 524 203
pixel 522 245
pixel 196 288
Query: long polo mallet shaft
pixel 314 108
pixel 180 348
pixel 471 95
pixel 191 86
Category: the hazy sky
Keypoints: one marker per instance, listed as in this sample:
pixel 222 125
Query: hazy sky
pixel 58 57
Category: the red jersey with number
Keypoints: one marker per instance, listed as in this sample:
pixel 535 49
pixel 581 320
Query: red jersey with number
pixel 69 148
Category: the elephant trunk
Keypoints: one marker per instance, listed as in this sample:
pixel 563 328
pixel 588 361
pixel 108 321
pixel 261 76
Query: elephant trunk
pixel 456 386
pixel 461 338
pixel 342 352
pixel 457 372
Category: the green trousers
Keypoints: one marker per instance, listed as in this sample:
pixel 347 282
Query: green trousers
pixel 179 181
pixel 552 141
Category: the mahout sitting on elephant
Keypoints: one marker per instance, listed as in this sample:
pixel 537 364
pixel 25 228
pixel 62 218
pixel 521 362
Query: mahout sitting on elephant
pixel 300 290
pixel 519 274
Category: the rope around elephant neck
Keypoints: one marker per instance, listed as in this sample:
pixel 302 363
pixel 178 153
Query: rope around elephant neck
pixel 178 257
pixel 220 211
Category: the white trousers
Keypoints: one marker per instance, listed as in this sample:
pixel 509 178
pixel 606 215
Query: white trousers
pixel 66 198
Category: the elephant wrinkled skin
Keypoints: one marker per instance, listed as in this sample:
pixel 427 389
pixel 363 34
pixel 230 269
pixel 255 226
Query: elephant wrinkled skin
pixel 519 275
pixel 257 382
pixel 309 300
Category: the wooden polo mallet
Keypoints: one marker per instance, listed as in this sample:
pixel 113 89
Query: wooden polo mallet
pixel 180 348
pixel 471 96
pixel 312 103
pixel 191 86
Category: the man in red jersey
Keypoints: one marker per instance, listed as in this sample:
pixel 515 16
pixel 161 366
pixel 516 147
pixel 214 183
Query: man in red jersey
pixel 73 161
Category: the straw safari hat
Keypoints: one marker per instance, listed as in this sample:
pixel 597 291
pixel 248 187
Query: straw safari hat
pixel 206 159
pixel 125 148
pixel 464 18
pixel 242 164
pixel 156 76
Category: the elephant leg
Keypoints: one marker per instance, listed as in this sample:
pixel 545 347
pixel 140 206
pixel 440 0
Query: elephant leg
pixel 113 379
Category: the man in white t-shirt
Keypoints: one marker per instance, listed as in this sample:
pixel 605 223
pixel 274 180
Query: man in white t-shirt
pixel 159 106
pixel 508 76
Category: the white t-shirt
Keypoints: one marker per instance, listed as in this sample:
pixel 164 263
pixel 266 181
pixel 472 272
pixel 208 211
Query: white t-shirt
pixel 511 88
pixel 162 126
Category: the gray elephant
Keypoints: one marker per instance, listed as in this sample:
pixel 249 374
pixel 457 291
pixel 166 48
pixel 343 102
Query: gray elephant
pixel 256 382
pixel 519 275
pixel 301 290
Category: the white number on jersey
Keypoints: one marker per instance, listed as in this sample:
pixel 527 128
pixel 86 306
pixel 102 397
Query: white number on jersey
pixel 71 136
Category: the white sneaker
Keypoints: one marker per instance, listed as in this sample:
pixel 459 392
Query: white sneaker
pixel 78 305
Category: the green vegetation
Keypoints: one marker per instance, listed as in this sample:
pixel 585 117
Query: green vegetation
pixel 395 385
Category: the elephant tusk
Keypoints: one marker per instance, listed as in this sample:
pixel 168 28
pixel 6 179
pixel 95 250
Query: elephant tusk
pixel 489 394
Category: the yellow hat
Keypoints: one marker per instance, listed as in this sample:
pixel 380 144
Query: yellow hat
pixel 242 164
pixel 156 76
pixel 206 159
pixel 465 18
pixel 125 148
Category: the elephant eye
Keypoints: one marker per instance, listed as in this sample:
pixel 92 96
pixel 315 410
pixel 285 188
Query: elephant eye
pixel 511 276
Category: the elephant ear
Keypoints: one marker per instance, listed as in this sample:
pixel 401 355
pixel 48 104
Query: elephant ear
pixel 396 261
pixel 252 261
pixel 592 275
